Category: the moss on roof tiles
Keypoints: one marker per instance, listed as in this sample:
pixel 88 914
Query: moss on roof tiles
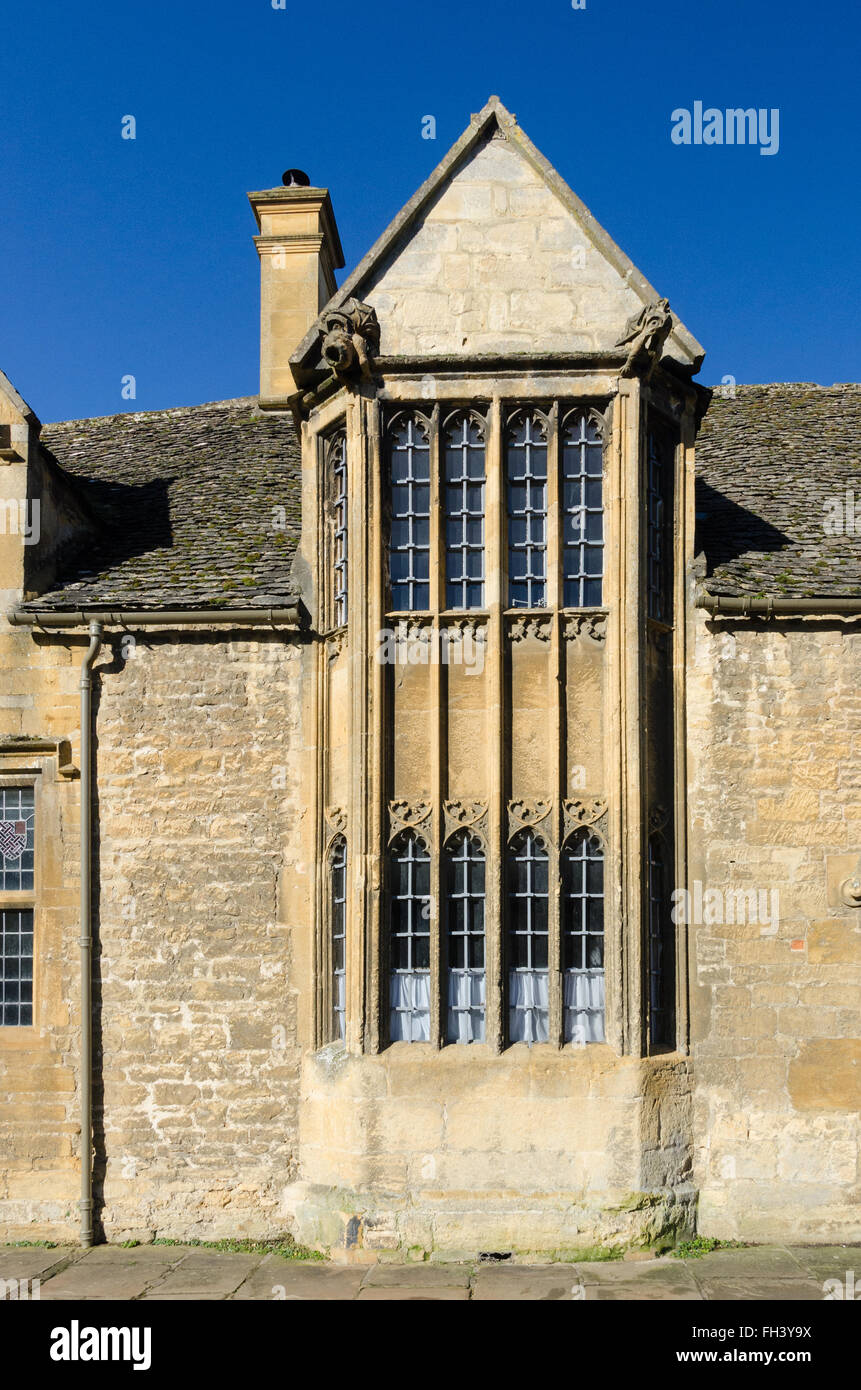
pixel 185 501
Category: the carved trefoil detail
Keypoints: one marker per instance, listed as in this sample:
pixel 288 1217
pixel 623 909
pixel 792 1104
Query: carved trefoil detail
pixel 410 815
pixel 465 815
pixel 533 815
pixel 536 626
pixel 580 811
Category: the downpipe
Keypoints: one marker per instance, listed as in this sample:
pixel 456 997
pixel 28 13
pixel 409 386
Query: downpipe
pixel 86 938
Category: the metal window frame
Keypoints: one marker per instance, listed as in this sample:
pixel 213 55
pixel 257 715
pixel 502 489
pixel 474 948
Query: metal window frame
pixel 537 577
pixel 338 933
pixel 417 425
pixel 529 840
pixel 472 855
pixel 582 417
pixel 467 420
pixel 403 851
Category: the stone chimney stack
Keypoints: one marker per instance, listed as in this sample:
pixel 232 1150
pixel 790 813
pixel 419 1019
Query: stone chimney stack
pixel 299 250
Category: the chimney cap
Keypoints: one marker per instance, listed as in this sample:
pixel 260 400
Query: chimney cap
pixel 295 178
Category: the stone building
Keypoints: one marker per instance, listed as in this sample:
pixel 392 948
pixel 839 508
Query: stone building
pixel 431 818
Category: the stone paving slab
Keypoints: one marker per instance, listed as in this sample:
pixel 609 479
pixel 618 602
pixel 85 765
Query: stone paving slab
pixel 412 1295
pixel 755 1290
pixel 536 1282
pixel 300 1281
pixel 418 1276
pixel 828 1261
pixel 209 1274
pixel 186 1273
pixel 29 1262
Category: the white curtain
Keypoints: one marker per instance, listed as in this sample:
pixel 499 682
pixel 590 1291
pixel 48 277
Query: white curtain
pixel 465 1006
pixel 584 1006
pixel 409 1020
pixel 528 1007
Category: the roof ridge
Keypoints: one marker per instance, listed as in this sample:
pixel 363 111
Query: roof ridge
pixel 233 401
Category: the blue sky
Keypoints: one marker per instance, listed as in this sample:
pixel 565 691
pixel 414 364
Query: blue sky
pixel 136 257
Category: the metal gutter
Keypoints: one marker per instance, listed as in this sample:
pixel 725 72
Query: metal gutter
pixel 149 617
pixel 746 606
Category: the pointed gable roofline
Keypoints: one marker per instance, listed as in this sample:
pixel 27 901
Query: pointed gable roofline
pixel 493 115
pixel 18 403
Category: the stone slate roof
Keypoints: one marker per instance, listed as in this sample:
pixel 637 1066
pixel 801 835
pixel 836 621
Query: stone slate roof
pixel 768 459
pixel 185 500
pixel 185 503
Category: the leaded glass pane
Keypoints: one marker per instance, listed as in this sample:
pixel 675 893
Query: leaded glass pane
pixel 16 969
pixel 409 983
pixel 338 871
pixel 465 905
pixel 583 511
pixel 526 474
pixel 463 468
pixel 528 1004
pixel 583 939
pixel 17 838
pixel 409 540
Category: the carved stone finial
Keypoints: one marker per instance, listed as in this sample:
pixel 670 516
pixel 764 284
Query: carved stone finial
pixel 352 338
pixel 644 337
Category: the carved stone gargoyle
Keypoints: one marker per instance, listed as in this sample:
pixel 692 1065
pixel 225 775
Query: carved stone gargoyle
pixel 352 338
pixel 645 335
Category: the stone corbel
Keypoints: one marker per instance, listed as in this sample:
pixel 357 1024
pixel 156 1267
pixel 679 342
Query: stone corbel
pixel 352 338
pixel 533 626
pixel 593 625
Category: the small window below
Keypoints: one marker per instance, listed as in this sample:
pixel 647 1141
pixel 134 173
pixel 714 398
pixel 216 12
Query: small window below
pixel 409 1015
pixel 528 980
pixel 16 968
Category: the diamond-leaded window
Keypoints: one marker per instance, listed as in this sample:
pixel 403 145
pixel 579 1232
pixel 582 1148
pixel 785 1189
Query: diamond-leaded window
pixel 16 968
pixel 17 825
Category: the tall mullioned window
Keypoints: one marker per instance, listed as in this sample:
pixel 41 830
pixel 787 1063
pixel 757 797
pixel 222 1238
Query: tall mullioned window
pixel 338 485
pixel 583 938
pixel 526 493
pixel 582 511
pixel 528 940
pixel 465 912
pixel 409 538
pixel 338 919
pixel 661 955
pixel 463 463
pixel 409 940
pixel 17 876
pixel 659 485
